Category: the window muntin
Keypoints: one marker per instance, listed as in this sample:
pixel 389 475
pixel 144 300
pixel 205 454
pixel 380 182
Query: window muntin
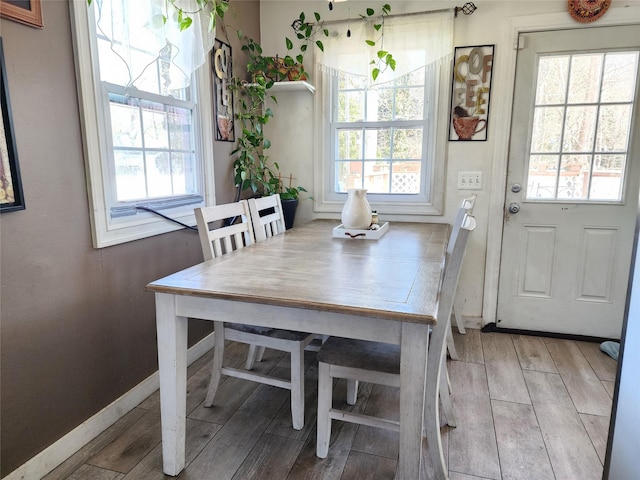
pixel 379 135
pixel 581 126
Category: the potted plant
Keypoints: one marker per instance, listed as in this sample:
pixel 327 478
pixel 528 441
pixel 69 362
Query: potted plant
pixel 252 169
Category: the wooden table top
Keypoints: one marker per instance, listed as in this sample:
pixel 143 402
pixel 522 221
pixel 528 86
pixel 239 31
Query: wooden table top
pixel 395 277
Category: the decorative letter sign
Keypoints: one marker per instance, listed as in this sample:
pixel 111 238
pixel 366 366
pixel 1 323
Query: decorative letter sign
pixel 221 60
pixel 470 93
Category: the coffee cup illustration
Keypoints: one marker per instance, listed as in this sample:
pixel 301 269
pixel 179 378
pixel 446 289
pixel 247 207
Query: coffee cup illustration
pixel 467 127
pixel 224 127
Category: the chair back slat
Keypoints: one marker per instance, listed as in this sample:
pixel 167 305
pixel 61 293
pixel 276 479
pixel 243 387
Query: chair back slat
pixel 217 248
pixel 239 240
pixel 268 225
pixel 216 238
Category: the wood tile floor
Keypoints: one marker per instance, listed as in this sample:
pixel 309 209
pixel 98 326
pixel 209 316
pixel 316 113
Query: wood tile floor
pixel 527 408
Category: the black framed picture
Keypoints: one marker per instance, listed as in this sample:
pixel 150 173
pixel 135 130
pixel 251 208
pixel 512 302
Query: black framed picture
pixel 470 93
pixel 223 111
pixel 11 196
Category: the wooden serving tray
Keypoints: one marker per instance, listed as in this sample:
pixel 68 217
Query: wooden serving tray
pixel 368 234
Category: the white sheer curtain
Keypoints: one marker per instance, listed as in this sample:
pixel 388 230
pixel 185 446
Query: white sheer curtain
pixel 132 34
pixel 414 40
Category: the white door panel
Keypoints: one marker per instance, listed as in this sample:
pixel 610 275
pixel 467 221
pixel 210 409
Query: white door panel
pixel 575 153
pixel 536 261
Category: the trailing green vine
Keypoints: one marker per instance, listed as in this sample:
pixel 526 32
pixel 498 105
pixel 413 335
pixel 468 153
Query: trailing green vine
pixel 213 9
pixel 384 59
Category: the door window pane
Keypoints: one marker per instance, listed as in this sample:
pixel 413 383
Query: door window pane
pixel 542 176
pixel 613 128
pixel 620 77
pixel 606 181
pixel 574 176
pixel 594 123
pixel 553 73
pixel 584 85
pixel 579 129
pixel 547 129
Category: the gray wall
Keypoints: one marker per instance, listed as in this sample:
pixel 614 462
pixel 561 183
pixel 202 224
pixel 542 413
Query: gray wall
pixel 77 327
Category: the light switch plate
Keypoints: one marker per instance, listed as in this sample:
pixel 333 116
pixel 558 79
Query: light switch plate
pixel 469 180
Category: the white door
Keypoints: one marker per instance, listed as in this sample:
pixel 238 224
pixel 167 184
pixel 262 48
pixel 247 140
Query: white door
pixel 572 182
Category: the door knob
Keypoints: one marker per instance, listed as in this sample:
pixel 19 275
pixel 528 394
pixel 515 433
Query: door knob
pixel 514 208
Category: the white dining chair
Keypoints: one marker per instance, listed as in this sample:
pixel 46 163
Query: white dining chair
pixel 466 208
pixel 217 239
pixel 267 217
pixel 379 363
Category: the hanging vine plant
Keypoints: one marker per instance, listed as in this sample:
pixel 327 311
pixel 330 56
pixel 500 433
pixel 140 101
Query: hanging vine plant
pixel 384 59
pixel 252 168
pixel 213 9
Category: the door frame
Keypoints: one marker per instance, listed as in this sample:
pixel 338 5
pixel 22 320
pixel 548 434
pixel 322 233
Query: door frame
pixel 503 104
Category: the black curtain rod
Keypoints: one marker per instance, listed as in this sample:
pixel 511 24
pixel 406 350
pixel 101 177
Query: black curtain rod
pixel 468 8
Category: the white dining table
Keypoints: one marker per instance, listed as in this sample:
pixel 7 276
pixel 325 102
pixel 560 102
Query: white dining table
pixel 384 290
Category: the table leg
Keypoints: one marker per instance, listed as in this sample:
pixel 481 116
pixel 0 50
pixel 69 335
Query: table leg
pixel 172 364
pixel 413 371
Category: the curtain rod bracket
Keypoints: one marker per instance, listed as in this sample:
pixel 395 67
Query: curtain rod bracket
pixel 468 8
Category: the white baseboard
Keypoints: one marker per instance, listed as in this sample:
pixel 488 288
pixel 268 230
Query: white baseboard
pixel 58 452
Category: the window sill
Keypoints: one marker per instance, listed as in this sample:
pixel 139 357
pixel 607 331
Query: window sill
pixel 385 208
pixel 142 225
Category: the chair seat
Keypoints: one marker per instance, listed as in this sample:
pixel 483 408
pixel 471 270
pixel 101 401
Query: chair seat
pixel 361 354
pixel 268 332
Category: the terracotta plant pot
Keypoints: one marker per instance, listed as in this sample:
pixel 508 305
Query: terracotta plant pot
pixel 296 73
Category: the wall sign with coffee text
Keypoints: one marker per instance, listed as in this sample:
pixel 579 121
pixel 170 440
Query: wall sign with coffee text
pixel 221 64
pixel 470 93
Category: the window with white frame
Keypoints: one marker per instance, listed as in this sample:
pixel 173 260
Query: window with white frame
pixel 386 136
pixel 142 123
pixel 380 135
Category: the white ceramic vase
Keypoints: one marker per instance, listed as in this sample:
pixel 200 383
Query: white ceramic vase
pixel 356 212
